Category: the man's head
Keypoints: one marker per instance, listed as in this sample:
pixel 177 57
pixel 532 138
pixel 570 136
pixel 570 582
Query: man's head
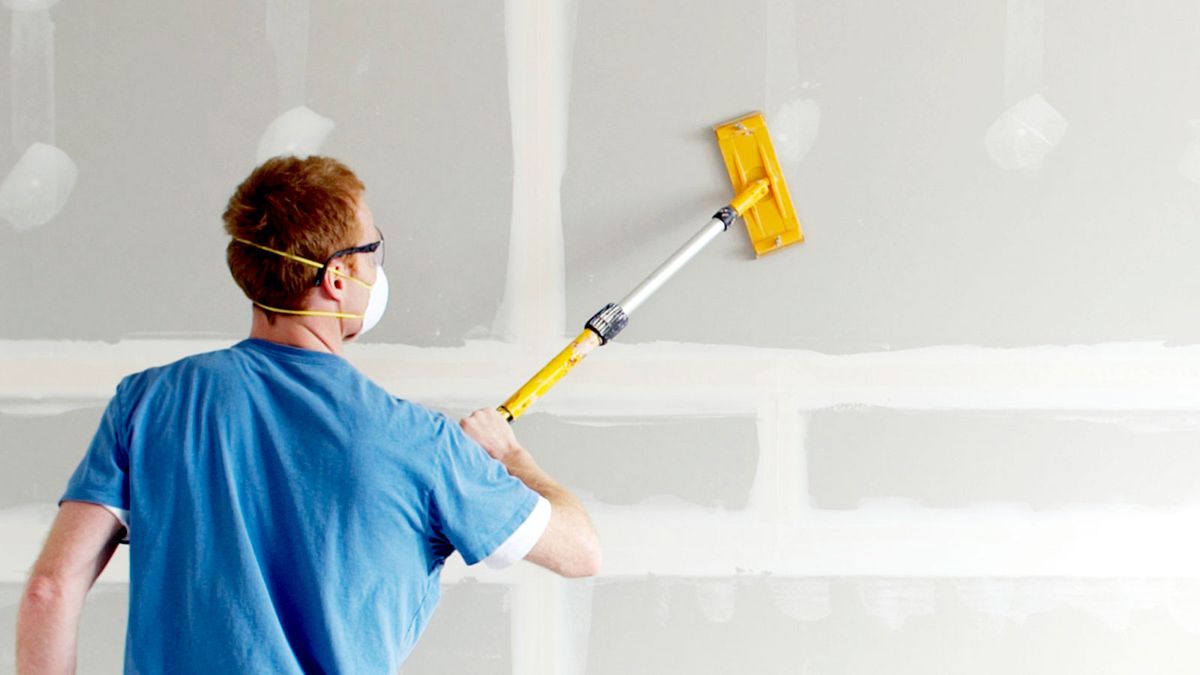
pixel 288 213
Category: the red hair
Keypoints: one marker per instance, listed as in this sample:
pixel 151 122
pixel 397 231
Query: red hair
pixel 306 207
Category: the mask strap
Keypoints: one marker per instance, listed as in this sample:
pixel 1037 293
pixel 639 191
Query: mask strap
pixel 310 312
pixel 305 261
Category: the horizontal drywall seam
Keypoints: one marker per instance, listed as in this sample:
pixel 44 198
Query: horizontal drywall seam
pixel 896 541
pixel 661 379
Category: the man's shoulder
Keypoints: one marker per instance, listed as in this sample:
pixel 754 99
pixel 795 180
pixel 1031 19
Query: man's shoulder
pixel 409 412
pixel 192 364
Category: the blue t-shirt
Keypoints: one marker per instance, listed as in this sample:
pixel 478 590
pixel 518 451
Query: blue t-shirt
pixel 286 514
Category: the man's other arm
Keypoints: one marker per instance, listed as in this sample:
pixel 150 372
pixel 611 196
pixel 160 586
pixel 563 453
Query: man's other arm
pixel 569 546
pixel 80 544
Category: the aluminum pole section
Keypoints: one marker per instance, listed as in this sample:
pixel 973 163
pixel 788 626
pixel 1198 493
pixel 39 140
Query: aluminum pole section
pixel 665 271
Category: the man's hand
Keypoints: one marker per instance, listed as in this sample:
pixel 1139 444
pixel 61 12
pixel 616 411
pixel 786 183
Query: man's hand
pixel 489 429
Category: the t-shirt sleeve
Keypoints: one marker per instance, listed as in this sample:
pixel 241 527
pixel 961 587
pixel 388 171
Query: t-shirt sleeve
pixel 102 477
pixel 477 504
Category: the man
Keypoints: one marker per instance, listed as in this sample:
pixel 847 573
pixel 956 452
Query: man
pixel 285 514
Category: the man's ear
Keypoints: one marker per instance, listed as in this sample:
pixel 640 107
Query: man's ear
pixel 333 284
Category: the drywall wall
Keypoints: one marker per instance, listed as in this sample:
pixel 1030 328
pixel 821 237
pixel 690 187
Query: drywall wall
pixel 163 123
pixel 39 450
pixel 707 462
pixel 957 424
pixel 1044 460
pixel 882 625
pixel 916 236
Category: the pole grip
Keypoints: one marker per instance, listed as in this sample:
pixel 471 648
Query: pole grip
pixel 550 374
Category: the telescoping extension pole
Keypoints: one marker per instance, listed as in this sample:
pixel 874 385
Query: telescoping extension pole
pixel 612 318
pixel 771 223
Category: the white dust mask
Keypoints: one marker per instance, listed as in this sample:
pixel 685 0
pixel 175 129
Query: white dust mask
pixel 376 302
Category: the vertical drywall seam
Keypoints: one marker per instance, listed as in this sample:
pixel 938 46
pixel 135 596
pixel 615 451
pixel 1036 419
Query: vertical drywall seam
pixel 297 130
pixel 1024 49
pixel 287 33
pixel 551 623
pixel 798 437
pixel 39 185
pixel 1029 128
pixel 32 54
pixel 538 40
pixel 538 37
pixel 1189 161
pixel 777 496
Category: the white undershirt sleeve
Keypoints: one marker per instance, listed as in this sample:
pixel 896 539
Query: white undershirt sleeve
pixel 121 514
pixel 521 541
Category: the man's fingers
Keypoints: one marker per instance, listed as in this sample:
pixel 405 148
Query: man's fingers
pixel 481 417
pixel 491 430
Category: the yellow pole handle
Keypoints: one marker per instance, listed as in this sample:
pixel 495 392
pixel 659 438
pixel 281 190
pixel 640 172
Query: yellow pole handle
pixel 550 374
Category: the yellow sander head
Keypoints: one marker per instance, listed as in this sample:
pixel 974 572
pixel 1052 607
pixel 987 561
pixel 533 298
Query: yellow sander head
pixel 762 197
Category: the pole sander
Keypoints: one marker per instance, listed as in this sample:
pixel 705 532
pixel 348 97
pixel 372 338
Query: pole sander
pixel 761 200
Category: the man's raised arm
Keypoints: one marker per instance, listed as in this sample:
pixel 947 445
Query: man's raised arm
pixel 569 546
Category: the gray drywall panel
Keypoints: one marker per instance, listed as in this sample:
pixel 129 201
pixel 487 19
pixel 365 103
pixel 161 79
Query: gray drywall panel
pixel 162 123
pixel 420 95
pixel 1045 460
pixel 469 633
pixel 161 106
pixel 915 236
pixel 39 453
pixel 900 627
pixel 101 646
pixel 709 462
pixel 648 79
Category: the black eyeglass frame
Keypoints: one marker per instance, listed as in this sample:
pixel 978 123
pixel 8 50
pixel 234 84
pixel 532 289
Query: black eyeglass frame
pixel 365 248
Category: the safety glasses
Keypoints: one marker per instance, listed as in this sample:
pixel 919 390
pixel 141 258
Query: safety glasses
pixel 375 247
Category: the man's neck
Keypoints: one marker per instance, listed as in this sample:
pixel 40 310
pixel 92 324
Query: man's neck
pixel 317 333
